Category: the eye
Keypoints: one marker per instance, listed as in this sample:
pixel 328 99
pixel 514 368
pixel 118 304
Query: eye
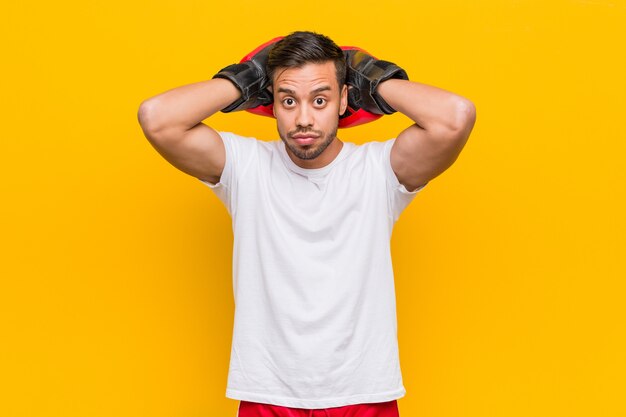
pixel 320 101
pixel 288 102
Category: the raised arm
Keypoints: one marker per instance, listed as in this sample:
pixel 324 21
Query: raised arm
pixel 443 120
pixel 443 123
pixel 172 123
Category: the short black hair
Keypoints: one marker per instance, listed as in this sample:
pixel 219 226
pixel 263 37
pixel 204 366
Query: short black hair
pixel 302 47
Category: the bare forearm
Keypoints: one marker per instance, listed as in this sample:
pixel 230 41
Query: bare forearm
pixel 186 106
pixel 431 108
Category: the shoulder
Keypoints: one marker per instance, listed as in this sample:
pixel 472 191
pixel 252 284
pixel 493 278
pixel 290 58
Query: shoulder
pixel 238 144
pixel 236 137
pixel 375 149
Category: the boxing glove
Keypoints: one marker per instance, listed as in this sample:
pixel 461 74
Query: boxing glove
pixel 250 77
pixel 365 73
pixel 354 115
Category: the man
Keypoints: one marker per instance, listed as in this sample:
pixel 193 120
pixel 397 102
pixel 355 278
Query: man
pixel 315 318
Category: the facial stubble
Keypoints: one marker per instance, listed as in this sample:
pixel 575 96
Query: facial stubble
pixel 308 152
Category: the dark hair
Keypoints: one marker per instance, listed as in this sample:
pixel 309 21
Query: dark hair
pixel 300 48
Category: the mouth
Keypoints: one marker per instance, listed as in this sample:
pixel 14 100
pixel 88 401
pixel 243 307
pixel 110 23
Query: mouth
pixel 304 139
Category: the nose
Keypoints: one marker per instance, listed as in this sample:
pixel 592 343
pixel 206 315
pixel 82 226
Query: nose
pixel 304 117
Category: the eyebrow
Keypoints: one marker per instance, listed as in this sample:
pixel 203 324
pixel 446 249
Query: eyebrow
pixel 316 91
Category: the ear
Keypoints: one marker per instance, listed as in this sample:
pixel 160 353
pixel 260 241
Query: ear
pixel 271 90
pixel 343 100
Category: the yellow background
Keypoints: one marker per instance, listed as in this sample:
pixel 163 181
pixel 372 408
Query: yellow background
pixel 115 289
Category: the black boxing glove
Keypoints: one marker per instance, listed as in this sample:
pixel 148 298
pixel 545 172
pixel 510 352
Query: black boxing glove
pixel 354 114
pixel 250 78
pixel 364 74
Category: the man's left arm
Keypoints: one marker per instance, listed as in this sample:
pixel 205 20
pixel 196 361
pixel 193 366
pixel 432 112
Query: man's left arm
pixel 443 123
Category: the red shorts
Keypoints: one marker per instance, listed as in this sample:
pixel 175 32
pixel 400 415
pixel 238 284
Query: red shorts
pixel 383 409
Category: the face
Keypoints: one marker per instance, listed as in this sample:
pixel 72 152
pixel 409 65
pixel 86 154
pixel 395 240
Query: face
pixel 307 106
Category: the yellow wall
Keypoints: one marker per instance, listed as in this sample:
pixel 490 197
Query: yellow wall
pixel 115 288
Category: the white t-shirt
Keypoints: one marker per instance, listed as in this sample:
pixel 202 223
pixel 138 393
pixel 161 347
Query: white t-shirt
pixel 315 310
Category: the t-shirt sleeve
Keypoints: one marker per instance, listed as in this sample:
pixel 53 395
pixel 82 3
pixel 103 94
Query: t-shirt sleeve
pixel 239 152
pixel 398 197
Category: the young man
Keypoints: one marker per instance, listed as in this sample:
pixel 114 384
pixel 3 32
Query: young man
pixel 315 319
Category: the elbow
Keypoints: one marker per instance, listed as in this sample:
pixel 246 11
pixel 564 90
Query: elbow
pixel 456 131
pixel 465 114
pixel 463 120
pixel 146 116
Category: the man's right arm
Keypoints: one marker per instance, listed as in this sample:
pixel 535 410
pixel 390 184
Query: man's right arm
pixel 172 123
